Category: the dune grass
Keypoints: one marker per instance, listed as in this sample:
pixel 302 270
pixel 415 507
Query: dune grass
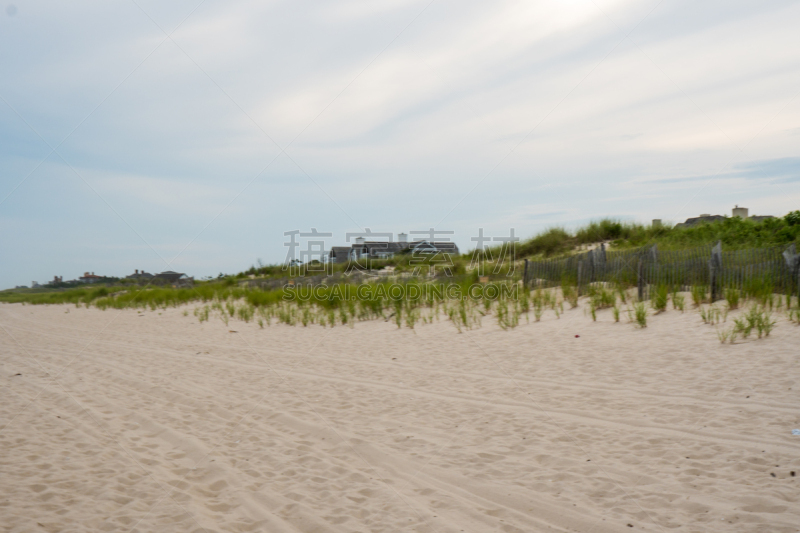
pixel 226 299
pixel 660 298
pixel 338 304
pixel 639 314
pixel 735 234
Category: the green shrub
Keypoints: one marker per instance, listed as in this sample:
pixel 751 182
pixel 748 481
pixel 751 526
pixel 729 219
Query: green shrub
pixel 660 298
pixel 640 314
pixel 601 298
pixel 756 318
pixel 728 335
pixel 699 294
pixel 569 291
pixel 711 315
pixel 761 289
pixel 678 301
pixel 732 297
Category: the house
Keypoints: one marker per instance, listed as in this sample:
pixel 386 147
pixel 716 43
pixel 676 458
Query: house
pixel 698 220
pixel 169 276
pixel 176 279
pixel 736 212
pixel 90 278
pixel 430 248
pixel 743 212
pixel 339 254
pixel 376 249
pixel 363 249
pixel 140 275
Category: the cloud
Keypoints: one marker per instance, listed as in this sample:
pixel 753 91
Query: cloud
pixel 784 169
pixel 180 197
pixel 780 170
pixel 550 113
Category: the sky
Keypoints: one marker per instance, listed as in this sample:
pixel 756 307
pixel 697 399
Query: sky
pixel 192 135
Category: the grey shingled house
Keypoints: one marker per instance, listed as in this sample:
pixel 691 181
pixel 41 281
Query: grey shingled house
pixel 140 275
pixel 171 277
pixel 339 254
pixel 385 249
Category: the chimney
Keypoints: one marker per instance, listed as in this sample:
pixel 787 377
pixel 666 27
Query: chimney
pixel 402 237
pixel 137 271
pixel 740 212
pixel 360 240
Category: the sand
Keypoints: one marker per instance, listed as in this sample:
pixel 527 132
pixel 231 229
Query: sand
pixel 127 421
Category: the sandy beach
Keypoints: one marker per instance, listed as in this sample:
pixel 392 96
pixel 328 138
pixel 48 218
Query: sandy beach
pixel 151 421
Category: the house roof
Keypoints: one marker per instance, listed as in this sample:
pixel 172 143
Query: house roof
pixel 399 246
pixel 170 275
pixel 382 246
pixel 432 244
pixel 697 220
pixel 378 248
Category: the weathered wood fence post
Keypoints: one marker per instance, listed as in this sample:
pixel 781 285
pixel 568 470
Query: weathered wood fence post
pixel 715 266
pixel 793 262
pixel 580 268
pixel 640 279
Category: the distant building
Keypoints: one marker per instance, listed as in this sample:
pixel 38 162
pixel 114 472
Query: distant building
pixel 90 278
pixel 698 220
pixel 176 279
pixel 140 275
pixel 169 276
pixel 339 254
pixel 738 212
pixel 35 285
pixel 363 249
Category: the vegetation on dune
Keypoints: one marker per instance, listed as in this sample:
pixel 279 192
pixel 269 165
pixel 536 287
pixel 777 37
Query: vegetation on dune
pixel 735 233
pixel 423 303
pixel 341 300
pixel 462 301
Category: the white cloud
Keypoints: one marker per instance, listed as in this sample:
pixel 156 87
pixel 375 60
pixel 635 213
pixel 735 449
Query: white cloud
pixel 616 128
pixel 181 197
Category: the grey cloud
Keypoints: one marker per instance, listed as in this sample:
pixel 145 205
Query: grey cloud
pixel 785 169
pixel 432 116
